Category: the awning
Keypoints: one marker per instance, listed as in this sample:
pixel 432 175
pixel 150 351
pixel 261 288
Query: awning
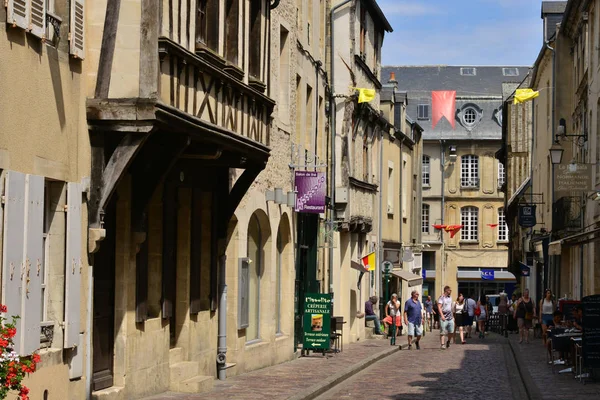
pixel 358 266
pixel 412 279
pixel 554 248
pixel 430 274
pixel 475 275
pixel 581 238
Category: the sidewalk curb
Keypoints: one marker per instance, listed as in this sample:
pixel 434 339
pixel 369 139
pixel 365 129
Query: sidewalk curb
pixel 333 380
pixel 531 388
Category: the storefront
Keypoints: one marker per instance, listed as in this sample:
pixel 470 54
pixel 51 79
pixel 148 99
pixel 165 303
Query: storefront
pixel 485 281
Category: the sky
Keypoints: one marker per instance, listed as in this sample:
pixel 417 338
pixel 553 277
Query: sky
pixel 462 32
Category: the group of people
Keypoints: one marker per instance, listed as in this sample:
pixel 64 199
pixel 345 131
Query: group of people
pixel 453 316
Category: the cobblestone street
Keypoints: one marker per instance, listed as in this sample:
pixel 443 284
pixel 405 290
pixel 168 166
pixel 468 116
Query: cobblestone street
pixel 471 371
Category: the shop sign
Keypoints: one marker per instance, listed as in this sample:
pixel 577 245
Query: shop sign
pixel 310 188
pixel 317 321
pixel 527 215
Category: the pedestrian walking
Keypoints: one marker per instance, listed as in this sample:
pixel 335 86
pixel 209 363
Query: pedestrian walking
pixel 482 314
pixel 429 313
pixel 503 312
pixel 461 316
pixel 413 314
pixel 512 322
pixel 371 316
pixel 471 305
pixel 392 319
pixel 446 318
pixel 525 313
pixel 547 308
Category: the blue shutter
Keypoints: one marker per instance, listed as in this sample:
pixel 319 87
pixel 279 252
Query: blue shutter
pixel 12 256
pixel 33 252
pixel 73 266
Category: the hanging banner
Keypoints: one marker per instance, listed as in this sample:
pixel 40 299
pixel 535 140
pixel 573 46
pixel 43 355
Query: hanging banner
pixel 368 261
pixel 310 190
pixel 487 274
pixel 527 215
pixel 525 269
pixel 317 321
pixel 443 104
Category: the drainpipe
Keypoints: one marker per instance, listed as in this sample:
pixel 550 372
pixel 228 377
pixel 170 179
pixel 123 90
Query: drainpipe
pixel 88 331
pixel 443 252
pixel 332 110
pixel 401 187
pixel 554 267
pixel 222 329
pixel 380 227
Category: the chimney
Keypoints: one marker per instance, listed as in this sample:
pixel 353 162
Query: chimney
pixel 393 79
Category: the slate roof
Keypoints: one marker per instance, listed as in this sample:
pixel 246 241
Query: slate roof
pixel 553 7
pixel 484 91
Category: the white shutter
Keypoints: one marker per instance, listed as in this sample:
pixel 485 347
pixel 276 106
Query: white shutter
pixel 33 252
pixel 76 361
pixel 38 18
pixel 17 13
pixel 73 266
pixel 77 29
pixel 12 255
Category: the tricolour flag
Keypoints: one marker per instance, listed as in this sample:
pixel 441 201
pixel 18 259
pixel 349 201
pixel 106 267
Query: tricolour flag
pixel 369 261
pixel 523 95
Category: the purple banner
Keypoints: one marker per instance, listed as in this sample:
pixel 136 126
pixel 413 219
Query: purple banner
pixel 310 190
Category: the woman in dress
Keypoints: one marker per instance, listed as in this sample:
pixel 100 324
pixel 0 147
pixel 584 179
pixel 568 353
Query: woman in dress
pixel 392 318
pixel 525 313
pixel 482 305
pixel 459 309
pixel 547 307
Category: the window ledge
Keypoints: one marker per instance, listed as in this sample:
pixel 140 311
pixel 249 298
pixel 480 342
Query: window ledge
pixel 426 186
pixel 254 343
pixel 469 241
pixel 469 188
pixel 281 336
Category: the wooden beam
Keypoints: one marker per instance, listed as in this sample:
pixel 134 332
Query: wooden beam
pixel 107 51
pixel 149 63
pixel 111 175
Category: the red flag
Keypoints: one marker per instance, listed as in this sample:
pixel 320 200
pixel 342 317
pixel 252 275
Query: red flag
pixel 439 226
pixel 453 229
pixel 492 225
pixel 443 104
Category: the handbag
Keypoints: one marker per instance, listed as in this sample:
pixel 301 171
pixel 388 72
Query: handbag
pixel 477 311
pixel 528 315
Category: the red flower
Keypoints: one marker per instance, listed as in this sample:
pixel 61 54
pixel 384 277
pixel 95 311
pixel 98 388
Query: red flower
pixel 36 358
pixel 3 308
pixel 24 392
pixel 3 343
pixel 11 332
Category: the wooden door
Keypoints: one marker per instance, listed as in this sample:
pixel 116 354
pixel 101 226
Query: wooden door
pixel 104 305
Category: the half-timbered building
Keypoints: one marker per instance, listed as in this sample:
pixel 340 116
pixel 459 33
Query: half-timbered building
pixel 180 123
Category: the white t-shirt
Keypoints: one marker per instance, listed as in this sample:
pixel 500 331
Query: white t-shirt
pixel 393 310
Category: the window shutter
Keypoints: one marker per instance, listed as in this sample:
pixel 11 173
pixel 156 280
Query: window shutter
pixel 76 361
pixel 77 29
pixel 12 255
pixel 243 293
pixel 38 18
pixel 73 266
pixel 32 279
pixel 17 13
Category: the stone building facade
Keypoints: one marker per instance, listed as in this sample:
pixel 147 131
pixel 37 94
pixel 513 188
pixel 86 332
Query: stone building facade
pixel 44 180
pixel 461 179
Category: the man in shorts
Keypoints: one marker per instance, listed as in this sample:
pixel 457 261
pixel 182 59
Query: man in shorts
pixel 446 317
pixel 413 317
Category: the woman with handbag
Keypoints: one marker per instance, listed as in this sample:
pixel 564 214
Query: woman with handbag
pixel 481 315
pixel 547 308
pixel 525 313
pixel 459 308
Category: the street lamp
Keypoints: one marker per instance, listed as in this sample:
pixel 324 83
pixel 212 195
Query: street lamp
pixel 556 153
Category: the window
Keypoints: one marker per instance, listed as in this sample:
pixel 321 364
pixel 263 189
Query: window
pixel 280 246
pixel 375 51
pixel 363 29
pixel 469 221
pixel 255 255
pixel 425 219
pixel 469 116
pixel 423 111
pixel 391 193
pixel 207 33
pixel 468 71
pixel 255 39
pixel 501 175
pixel 425 170
pixel 510 71
pixel 469 167
pixel 284 76
pixel 502 227
pixel 232 10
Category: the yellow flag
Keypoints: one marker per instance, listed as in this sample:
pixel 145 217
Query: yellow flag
pixel 365 95
pixel 368 261
pixel 523 95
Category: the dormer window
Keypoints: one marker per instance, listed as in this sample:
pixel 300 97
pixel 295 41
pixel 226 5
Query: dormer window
pixel 510 71
pixel 468 71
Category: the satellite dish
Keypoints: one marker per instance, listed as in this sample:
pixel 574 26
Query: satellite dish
pixel 407 256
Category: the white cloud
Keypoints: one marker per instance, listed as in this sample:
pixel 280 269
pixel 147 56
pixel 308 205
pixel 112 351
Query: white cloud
pixel 407 8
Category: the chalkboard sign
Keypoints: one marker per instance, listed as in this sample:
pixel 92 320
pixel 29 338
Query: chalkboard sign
pixel 566 307
pixel 591 331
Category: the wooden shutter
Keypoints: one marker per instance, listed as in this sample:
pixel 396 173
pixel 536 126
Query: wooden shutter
pixel 12 255
pixel 76 361
pixel 33 253
pixel 77 29
pixel 73 266
pixel 17 13
pixel 38 18
pixel 243 293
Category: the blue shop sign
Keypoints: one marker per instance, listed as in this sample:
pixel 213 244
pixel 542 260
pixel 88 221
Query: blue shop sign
pixel 487 274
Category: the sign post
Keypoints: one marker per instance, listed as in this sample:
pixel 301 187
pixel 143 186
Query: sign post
pixel 317 321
